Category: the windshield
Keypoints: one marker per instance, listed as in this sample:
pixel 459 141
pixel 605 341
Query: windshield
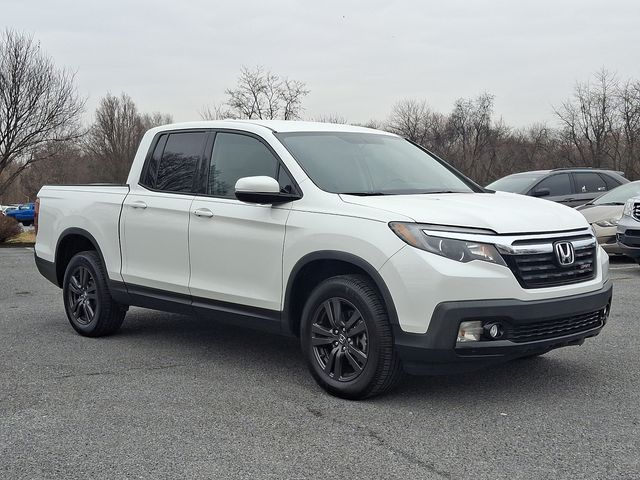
pixel 369 164
pixel 518 183
pixel 619 195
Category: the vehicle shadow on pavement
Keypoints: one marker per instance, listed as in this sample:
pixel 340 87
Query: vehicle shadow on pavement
pixel 202 342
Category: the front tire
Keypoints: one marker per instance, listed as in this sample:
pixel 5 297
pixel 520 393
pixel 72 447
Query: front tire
pixel 87 301
pixel 347 339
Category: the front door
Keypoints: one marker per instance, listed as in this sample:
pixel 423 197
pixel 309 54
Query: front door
pixel 236 248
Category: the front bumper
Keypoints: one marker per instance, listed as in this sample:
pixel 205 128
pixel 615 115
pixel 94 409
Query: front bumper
pixel 628 236
pixel 436 352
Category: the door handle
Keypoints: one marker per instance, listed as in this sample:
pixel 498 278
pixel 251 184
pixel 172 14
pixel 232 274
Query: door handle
pixel 203 212
pixel 138 204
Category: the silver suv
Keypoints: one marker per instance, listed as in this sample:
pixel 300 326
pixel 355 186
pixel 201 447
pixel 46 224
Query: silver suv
pixel 629 229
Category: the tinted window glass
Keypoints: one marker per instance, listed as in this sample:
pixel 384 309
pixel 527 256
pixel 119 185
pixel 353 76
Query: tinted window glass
pixel 236 156
pixel 150 173
pixel 559 184
pixel 610 181
pixel 589 183
pixel 286 184
pixel 179 162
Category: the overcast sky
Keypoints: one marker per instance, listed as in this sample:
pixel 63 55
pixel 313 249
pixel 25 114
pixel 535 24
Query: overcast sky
pixel 356 57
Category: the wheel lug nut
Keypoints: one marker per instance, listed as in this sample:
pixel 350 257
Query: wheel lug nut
pixel 335 344
pixel 343 348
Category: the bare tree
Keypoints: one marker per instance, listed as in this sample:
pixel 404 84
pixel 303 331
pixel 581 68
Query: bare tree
pixel 113 138
pixel 216 112
pixel 629 130
pixel 588 119
pixel 261 94
pixel 331 118
pixel 39 104
pixel 411 119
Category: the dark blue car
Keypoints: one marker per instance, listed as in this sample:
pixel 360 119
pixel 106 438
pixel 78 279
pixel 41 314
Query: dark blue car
pixel 23 214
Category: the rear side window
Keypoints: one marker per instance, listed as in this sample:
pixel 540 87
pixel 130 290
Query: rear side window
pixel 559 184
pixel 236 156
pixel 178 163
pixel 149 175
pixel 589 183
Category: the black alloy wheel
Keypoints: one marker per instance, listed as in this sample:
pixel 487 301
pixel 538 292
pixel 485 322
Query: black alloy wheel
pixel 82 296
pixel 90 308
pixel 340 339
pixel 347 338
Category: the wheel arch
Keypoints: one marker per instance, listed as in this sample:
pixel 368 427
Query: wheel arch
pixel 70 242
pixel 315 267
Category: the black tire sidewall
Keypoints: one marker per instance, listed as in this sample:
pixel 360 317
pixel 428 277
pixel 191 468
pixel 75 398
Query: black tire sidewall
pixel 338 287
pixel 87 260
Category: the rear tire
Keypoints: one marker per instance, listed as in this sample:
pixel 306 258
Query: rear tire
pixel 87 301
pixel 347 339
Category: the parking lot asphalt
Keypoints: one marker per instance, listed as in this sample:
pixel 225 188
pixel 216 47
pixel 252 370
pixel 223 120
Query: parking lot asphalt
pixel 171 396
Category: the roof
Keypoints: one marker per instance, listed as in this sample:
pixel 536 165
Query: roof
pixel 274 126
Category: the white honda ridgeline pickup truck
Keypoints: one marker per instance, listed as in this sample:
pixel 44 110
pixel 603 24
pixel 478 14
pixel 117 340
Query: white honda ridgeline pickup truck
pixel 377 254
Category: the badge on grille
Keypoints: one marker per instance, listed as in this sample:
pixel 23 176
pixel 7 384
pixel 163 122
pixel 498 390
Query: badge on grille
pixel 564 253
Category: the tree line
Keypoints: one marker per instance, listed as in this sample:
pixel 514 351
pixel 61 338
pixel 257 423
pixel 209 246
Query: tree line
pixel 43 141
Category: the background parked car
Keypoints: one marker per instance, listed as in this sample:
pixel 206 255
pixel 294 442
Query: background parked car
pixel 572 187
pixel 605 212
pixel 24 214
pixel 628 231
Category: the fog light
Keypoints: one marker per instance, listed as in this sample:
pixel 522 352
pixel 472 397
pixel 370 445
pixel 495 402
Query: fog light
pixel 470 332
pixel 494 330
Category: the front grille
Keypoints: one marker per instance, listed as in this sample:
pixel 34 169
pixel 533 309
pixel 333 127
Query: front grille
pixel 636 211
pixel 539 270
pixel 556 328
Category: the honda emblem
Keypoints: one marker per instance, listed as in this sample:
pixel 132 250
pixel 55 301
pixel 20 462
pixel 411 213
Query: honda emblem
pixel 564 253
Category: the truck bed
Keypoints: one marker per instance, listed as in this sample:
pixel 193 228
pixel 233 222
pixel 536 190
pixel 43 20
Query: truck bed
pixel 94 209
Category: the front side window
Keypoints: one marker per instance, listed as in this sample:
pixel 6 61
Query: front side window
pixel 369 164
pixel 558 185
pixel 236 156
pixel 179 161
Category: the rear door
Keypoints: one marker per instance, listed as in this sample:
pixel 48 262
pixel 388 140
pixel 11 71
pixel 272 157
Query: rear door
pixel 589 185
pixel 236 247
pixel 155 214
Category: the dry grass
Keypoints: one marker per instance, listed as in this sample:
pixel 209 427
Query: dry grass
pixel 24 237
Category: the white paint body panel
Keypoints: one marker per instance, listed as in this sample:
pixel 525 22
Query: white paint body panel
pixel 95 209
pixel 236 255
pixel 155 240
pixel 245 253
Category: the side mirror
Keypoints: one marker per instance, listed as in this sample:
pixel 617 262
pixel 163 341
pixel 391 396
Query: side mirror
pixel 265 190
pixel 542 192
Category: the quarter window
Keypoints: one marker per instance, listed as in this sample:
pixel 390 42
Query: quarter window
pixel 236 156
pixel 179 162
pixel 559 184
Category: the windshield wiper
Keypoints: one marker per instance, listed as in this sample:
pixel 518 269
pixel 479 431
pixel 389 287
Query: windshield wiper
pixel 609 203
pixel 365 194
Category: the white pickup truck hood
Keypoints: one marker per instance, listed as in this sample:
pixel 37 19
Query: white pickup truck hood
pixel 500 212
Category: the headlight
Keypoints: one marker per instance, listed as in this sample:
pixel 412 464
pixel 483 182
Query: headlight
pixel 609 222
pixel 628 208
pixel 460 250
